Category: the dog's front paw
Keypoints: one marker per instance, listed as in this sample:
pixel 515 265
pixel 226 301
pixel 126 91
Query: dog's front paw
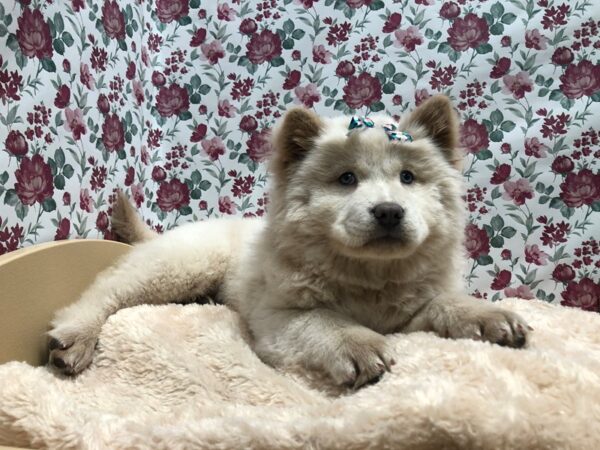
pixel 71 349
pixel 362 357
pixel 494 325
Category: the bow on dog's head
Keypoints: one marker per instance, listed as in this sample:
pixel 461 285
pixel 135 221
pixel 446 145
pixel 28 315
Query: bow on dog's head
pixel 363 122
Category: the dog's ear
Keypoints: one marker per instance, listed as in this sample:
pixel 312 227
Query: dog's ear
pixel 436 117
pixel 293 137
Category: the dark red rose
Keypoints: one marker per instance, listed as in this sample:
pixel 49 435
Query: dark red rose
pixel 102 221
pixel 363 90
pixel 66 65
pixel 113 135
pixel 199 133
pixel 158 79
pixel 248 124
pixel 33 34
pixel 563 273
pixel 66 199
pixel 158 173
pixel 392 23
pixel 113 20
pixel 62 232
pixel 172 195
pixel 563 164
pixel 259 145
pixel 477 241
pixel 449 10
pixel 506 254
pixel 355 4
pixel 562 56
pixel 501 174
pixel 130 72
pixel 16 144
pixel 501 280
pixel 584 295
pixel 296 55
pixel 582 188
pixel 505 41
pixel 103 104
pixel 248 26
pixel 203 205
pixel 468 32
pixel 129 176
pixel 292 80
pixel 345 69
pixel 473 136
pixel 501 68
pixel 580 79
pixel 63 96
pixel 169 10
pixel 78 5
pixel 226 206
pixel 198 38
pixel 397 100
pixel 172 100
pixel 505 148
pixel 421 95
pixel 34 180
pixel 263 47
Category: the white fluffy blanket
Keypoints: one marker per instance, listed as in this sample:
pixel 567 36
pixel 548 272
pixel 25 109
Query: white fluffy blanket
pixel 178 377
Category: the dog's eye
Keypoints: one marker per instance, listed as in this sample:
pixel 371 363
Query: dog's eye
pixel 407 177
pixel 347 179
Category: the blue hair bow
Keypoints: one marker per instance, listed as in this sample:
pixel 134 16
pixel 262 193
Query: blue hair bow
pixel 357 122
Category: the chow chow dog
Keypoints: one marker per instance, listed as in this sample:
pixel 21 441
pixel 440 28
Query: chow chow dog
pixel 363 238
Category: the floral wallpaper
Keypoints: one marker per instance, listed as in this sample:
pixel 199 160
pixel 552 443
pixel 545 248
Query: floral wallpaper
pixel 172 100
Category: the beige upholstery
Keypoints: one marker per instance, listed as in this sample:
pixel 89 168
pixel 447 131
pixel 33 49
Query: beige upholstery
pixel 38 280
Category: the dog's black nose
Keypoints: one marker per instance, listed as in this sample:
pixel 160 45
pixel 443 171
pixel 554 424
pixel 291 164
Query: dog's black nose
pixel 388 214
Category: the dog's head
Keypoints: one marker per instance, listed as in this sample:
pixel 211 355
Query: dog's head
pixel 363 194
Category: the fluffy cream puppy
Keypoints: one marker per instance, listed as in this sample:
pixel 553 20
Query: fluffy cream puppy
pixel 363 238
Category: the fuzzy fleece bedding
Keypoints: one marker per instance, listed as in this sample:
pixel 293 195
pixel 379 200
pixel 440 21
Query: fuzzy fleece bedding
pixel 175 377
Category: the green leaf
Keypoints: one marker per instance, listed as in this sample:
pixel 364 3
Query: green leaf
pixel 185 20
pixel 484 48
pixel 389 88
pixel 68 171
pixel 122 44
pixel 11 198
pixel 556 94
pixel 497 29
pixel 276 62
pixel 288 44
pixel 497 242
pixel 298 34
pixel 11 42
pixel 186 115
pixel 507 126
pixel 497 10
pixel 59 24
pixel 508 232
pixel 194 4
pixel 49 204
pixel 59 182
pixel 4 177
pixel 204 89
pixel 59 46
pixel 185 210
pixel 596 206
pixel 497 117
pixel 205 184
pixel 508 18
pixel 196 194
pixel 497 223
pixel 59 157
pixel 556 203
pixel 484 154
pixel 48 65
pixel 21 211
pixel 595 97
pixel 496 136
pixel 399 78
pixel 378 106
pixel 389 70
pixel 195 99
pixel 288 26
pixel 67 39
pixel 485 260
pixel 378 4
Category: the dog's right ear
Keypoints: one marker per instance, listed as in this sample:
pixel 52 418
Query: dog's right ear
pixel 293 137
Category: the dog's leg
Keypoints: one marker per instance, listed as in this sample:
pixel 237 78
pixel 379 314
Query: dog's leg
pixel 462 316
pixel 320 339
pixel 188 262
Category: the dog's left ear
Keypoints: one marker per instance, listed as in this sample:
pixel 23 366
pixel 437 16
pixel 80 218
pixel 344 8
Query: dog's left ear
pixel 293 137
pixel 436 118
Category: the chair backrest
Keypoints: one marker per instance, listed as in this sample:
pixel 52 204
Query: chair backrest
pixel 37 281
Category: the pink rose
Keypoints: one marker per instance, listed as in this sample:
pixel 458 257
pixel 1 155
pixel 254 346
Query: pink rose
pixel 225 12
pixel 308 95
pixel 355 4
pixel 468 32
pixel 169 10
pixel 584 295
pixel 521 292
pixel 33 34
pixel 259 145
pixel 518 191
pixel 581 188
pixel 473 136
pixel 16 144
pixel 534 255
pixel 533 39
pixel 362 90
pixel 138 91
pixel 226 109
pixel 212 52
pixel 34 180
pixel 137 192
pixel 421 95
pixel 580 79
pixel 85 76
pixel 263 47
pixel 517 85
pixel 172 100
pixel 172 195
pixel 113 20
pixel 226 206
pixel 75 123
pixel 213 148
pixel 113 135
pixel 477 241
pixel 533 147
pixel 321 55
pixel 409 38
